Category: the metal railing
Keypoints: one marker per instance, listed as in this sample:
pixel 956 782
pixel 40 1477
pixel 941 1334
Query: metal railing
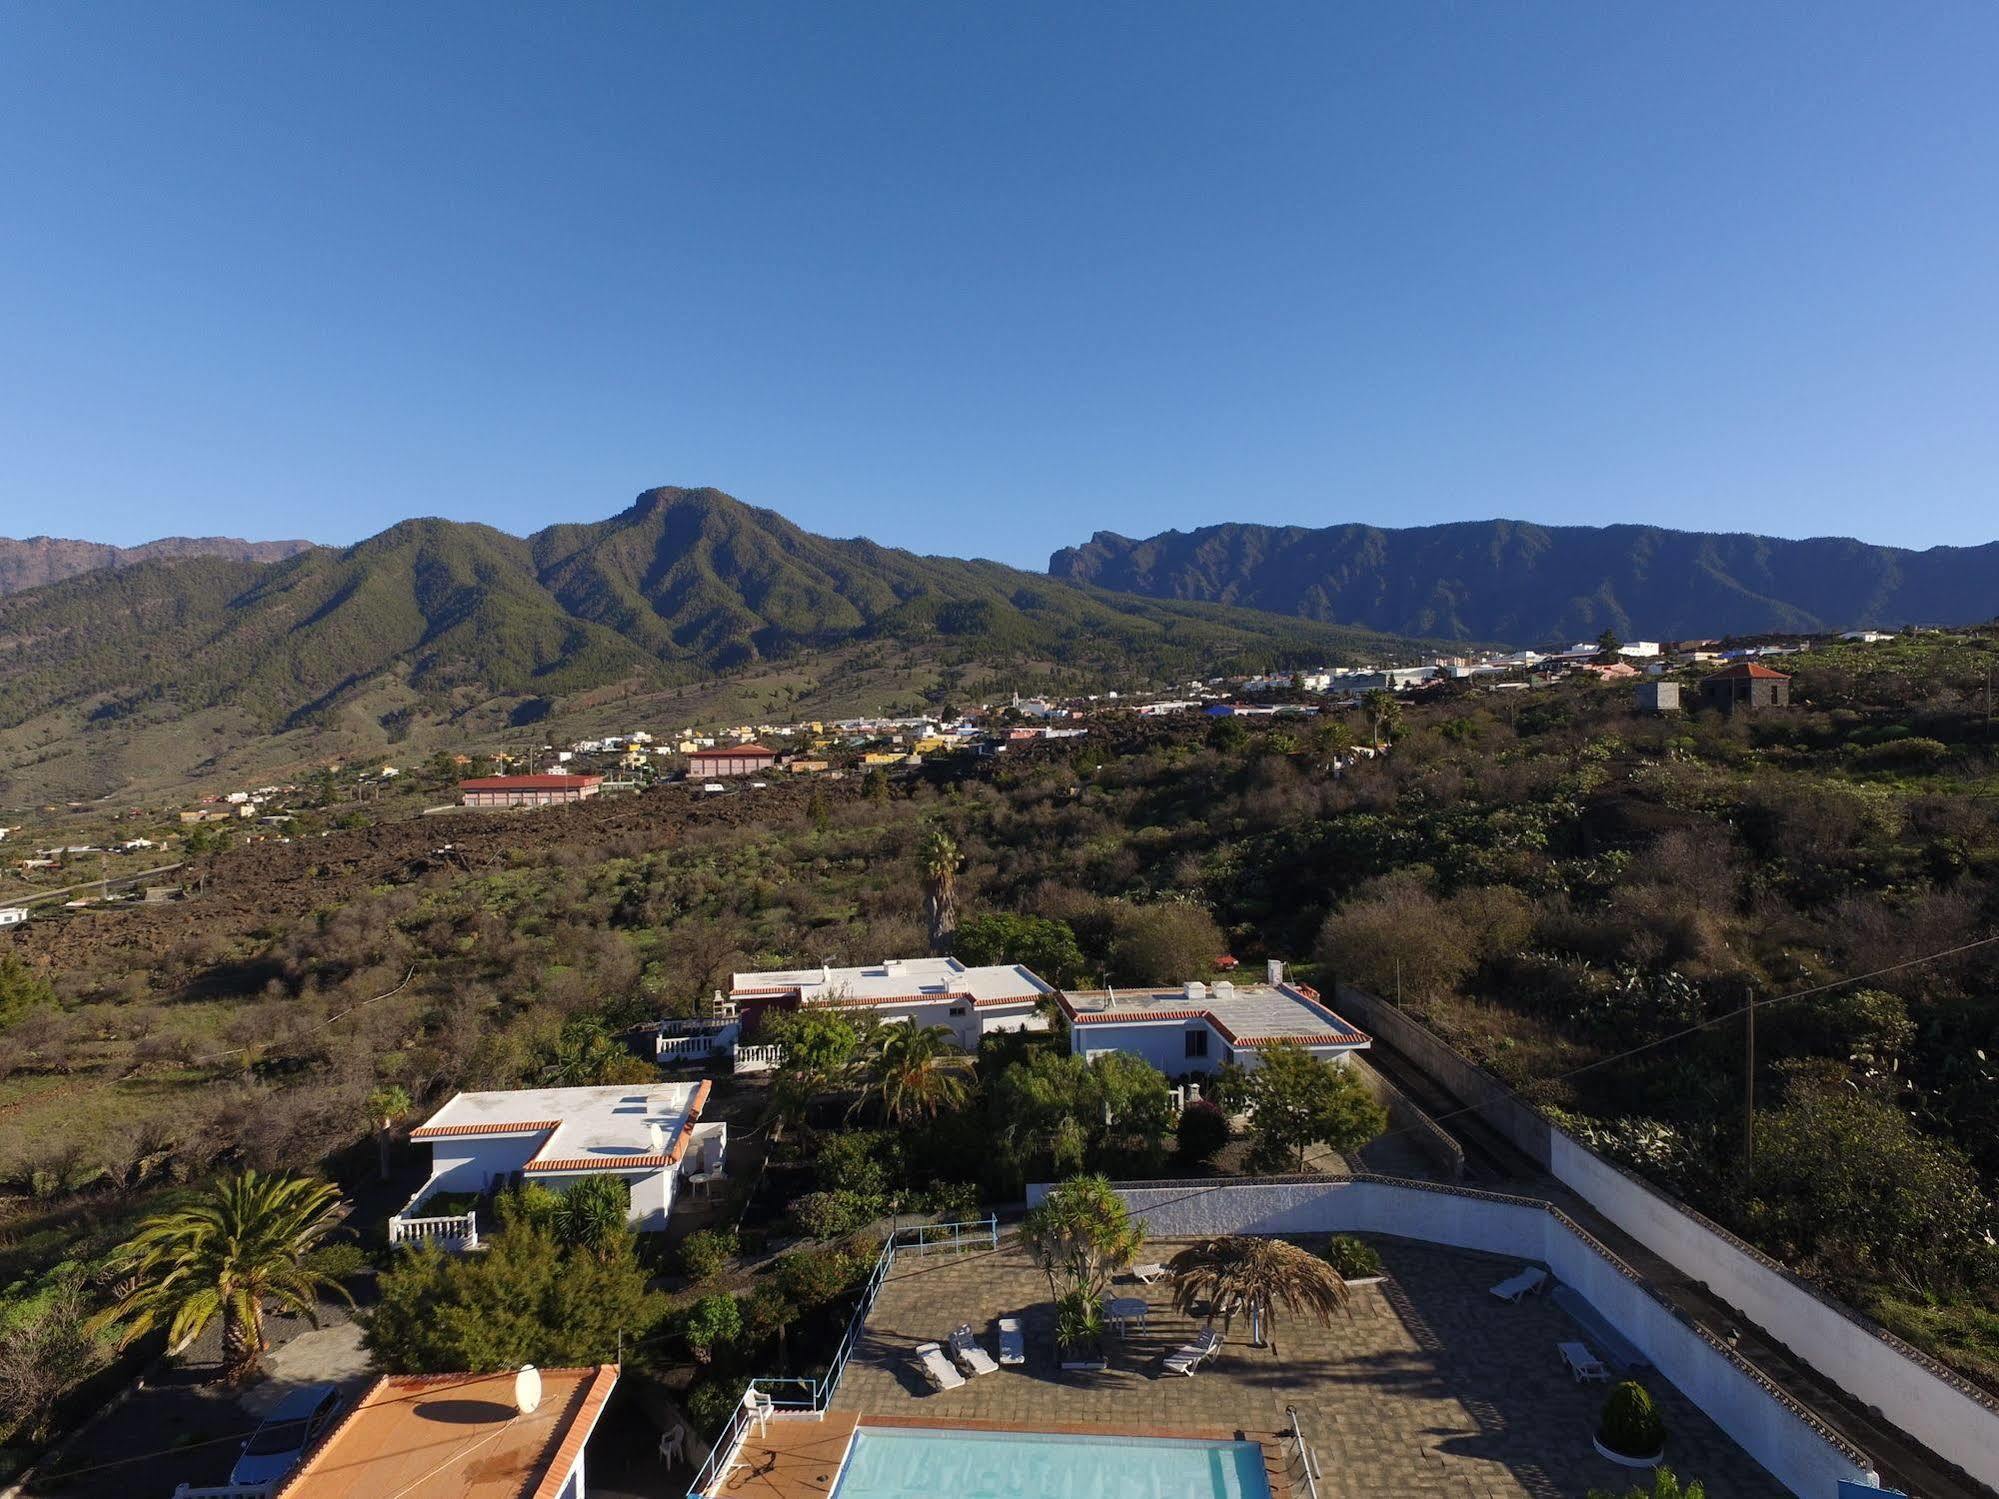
pixel 1298 1450
pixel 807 1395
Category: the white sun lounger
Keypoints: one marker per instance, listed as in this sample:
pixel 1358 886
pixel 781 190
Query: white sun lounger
pixel 970 1357
pixel 1012 1341
pixel 1582 1363
pixel 937 1368
pixel 1189 1357
pixel 1148 1273
pixel 1526 1283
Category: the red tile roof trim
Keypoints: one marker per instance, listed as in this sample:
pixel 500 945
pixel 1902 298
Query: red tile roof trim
pixel 1747 669
pixel 447 1131
pixel 731 751
pixel 845 1002
pixel 1348 1037
pixel 634 1162
pixel 581 1424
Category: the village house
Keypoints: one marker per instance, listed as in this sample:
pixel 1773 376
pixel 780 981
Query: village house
pixel 968 1002
pixel 448 1436
pixel 527 791
pixel 730 760
pixel 1658 697
pixel 648 1134
pixel 1746 685
pixel 1198 1027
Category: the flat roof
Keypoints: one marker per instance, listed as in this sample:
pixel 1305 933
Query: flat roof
pixel 529 783
pixel 583 1129
pixel 456 1436
pixel 1245 1014
pixel 897 980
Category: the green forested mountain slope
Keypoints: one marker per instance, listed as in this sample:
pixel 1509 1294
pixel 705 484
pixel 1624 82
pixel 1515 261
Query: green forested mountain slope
pixel 1532 585
pixel 434 617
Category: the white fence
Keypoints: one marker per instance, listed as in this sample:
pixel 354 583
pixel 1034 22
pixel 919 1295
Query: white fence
pixel 756 1058
pixel 1939 1408
pixel 453 1231
pixel 1804 1455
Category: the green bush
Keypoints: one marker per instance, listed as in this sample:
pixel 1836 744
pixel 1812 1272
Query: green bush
pixel 765 1310
pixel 1902 754
pixel 703 1254
pixel 1355 1259
pixel 954 1202
pixel 1631 1423
pixel 1202 1132
pixel 711 1403
pixel 707 1324
pixel 810 1279
pixel 1665 1484
pixel 829 1215
pixel 337 1261
pixel 1079 1321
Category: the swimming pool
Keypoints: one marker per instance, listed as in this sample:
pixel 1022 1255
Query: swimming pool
pixel 887 1462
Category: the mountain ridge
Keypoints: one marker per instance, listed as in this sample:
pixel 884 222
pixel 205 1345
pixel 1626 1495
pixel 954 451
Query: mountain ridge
pixel 33 561
pixel 1530 584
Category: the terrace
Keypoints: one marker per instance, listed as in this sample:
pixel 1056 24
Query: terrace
pixel 1432 1387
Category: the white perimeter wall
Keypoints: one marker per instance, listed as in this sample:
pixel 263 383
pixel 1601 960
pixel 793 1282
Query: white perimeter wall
pixel 470 1162
pixel 1765 1424
pixel 1926 1403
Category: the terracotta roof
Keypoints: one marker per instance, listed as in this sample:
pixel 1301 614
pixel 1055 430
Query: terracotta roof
pixel 633 1162
pixel 446 1131
pixel 456 1436
pixel 728 751
pixel 529 783
pixel 1745 671
pixel 867 1001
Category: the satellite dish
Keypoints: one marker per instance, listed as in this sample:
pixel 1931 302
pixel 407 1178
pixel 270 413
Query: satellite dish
pixel 527 1389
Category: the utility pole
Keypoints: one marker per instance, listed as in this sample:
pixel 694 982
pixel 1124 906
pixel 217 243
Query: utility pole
pixel 1749 1080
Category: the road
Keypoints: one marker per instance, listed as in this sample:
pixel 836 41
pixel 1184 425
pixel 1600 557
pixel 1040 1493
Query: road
pixel 29 897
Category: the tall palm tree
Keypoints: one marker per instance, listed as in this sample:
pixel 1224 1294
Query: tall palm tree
pixel 240 1245
pixel 1236 1275
pixel 940 889
pixel 913 1072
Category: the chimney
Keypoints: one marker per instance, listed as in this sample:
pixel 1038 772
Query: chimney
pixel 657 1137
pixel 1273 972
pixel 1196 989
pixel 1224 990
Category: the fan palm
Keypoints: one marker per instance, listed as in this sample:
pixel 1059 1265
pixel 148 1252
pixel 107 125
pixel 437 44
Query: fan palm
pixel 940 889
pixel 240 1245
pixel 913 1072
pixel 1241 1276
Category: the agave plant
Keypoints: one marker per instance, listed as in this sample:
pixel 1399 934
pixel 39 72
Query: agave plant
pixel 241 1244
pixel 1237 1275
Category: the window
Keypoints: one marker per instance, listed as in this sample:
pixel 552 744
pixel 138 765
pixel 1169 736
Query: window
pixel 1197 1043
pixel 956 1011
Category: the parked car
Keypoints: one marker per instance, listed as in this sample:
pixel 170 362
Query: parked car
pixel 288 1429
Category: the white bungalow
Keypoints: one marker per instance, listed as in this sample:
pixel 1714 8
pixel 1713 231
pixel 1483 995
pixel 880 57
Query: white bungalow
pixel 1198 1026
pixel 968 1002
pixel 648 1134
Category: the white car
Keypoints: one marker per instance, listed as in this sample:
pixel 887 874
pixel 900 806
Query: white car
pixel 287 1430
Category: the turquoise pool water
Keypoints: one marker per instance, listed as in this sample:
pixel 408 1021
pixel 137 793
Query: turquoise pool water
pixel 892 1463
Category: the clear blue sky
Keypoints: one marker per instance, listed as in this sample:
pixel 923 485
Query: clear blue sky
pixel 983 278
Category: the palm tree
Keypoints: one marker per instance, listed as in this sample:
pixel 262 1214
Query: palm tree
pixel 385 1106
pixel 1238 1275
pixel 225 1254
pixel 940 889
pixel 913 1072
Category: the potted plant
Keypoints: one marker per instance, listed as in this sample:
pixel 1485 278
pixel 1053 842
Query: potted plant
pixel 1631 1432
pixel 1355 1259
pixel 1079 1331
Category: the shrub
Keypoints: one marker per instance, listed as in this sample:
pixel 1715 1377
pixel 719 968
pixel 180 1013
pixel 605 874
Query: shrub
pixel 812 1279
pixel 337 1261
pixel 711 1403
pixel 765 1310
pixel 953 1201
pixel 828 1215
pixel 703 1254
pixel 1202 1132
pixel 1631 1423
pixel 1355 1259
pixel 707 1324
pixel 1665 1484
pixel 1079 1321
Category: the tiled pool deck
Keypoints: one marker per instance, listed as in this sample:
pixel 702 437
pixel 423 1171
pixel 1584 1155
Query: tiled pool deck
pixel 1433 1388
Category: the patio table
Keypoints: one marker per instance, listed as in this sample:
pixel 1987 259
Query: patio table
pixel 1120 1310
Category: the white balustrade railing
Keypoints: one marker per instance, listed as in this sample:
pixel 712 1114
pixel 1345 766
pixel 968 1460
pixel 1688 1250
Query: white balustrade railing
pixel 460 1228
pixel 756 1058
pixel 672 1048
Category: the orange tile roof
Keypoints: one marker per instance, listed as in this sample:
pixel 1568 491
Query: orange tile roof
pixel 518 1127
pixel 633 1162
pixel 456 1436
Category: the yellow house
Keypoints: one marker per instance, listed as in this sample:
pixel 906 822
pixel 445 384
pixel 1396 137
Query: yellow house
pixel 883 757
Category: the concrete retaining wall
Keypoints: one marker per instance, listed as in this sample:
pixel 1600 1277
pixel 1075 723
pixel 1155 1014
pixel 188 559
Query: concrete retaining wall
pixel 1443 1151
pixel 1939 1408
pixel 1801 1453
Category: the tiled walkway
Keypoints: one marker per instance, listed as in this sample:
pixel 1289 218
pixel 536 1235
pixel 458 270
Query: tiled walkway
pixel 1433 1388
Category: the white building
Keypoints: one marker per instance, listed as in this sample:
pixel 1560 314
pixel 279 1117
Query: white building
pixel 968 1002
pixel 1198 1027
pixel 650 1134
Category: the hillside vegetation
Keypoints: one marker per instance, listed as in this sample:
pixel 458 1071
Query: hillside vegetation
pixel 433 619
pixel 1538 585
pixel 1564 882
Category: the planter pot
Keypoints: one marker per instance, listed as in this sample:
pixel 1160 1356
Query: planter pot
pixel 1085 1365
pixel 1624 1460
pixel 1368 1280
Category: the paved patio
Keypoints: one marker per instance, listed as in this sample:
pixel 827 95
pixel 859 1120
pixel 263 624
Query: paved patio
pixel 1432 1389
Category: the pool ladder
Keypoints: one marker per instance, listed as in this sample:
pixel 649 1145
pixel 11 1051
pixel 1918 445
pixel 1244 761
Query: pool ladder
pixel 1301 1463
